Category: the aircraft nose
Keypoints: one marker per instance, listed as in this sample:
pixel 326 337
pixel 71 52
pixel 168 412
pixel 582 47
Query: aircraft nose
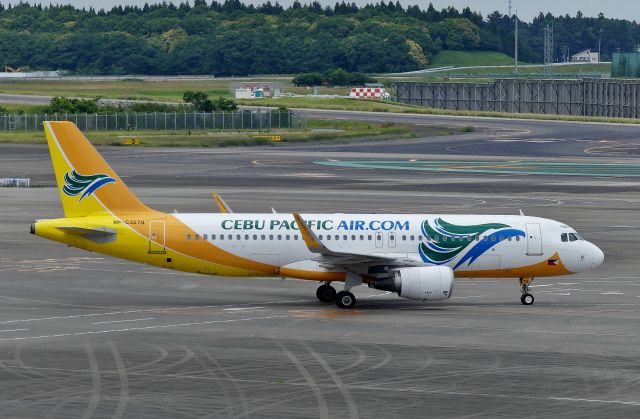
pixel 597 257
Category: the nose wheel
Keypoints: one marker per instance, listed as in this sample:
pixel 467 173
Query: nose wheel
pixel 526 298
pixel 326 293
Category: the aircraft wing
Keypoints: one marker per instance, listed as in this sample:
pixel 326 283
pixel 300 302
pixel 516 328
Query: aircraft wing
pixel 348 259
pixel 222 206
pixel 333 258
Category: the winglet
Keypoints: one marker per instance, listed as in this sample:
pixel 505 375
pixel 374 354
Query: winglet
pixel 222 206
pixel 311 240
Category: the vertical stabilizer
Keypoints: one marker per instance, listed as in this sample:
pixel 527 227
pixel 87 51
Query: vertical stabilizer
pixel 86 183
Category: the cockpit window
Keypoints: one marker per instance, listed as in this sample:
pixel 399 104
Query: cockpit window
pixel 570 237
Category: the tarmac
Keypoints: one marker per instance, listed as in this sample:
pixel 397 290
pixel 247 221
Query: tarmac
pixel 85 335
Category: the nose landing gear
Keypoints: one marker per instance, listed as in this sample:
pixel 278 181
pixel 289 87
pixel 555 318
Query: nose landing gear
pixel 526 298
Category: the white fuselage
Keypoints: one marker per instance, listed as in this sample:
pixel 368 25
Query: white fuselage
pixel 472 245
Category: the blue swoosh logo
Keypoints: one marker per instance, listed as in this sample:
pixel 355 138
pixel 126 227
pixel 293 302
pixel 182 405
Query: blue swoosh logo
pixel 95 185
pixel 483 245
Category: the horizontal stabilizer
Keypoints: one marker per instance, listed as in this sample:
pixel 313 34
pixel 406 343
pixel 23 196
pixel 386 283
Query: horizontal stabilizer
pixel 95 234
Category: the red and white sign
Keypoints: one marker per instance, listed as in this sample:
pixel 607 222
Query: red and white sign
pixel 371 93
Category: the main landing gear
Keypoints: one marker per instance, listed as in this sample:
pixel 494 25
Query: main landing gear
pixel 526 298
pixel 343 299
pixel 326 293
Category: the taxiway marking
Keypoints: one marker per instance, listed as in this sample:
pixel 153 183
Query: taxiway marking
pixel 123 321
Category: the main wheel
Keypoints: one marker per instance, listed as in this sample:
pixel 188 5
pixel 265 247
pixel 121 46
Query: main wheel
pixel 326 293
pixel 527 299
pixel 345 299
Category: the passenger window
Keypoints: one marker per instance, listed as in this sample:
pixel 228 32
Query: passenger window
pixel 287 237
pixel 413 238
pixel 279 236
pixel 361 237
pixel 419 238
pixel 255 237
pixel 404 238
pixel 222 237
pixel 197 237
pixel 238 237
pixel 204 237
pixel 320 237
pixel 213 237
pixel 344 237
pixel 517 238
pixel 270 236
pixel 262 237
pixel 353 238
pixel 295 237
pixel 337 237
pixel 328 236
pixel 564 237
pixel 188 236
pixel 493 238
pixel 246 237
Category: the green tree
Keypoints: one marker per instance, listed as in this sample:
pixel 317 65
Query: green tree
pixel 199 100
pixel 66 105
pixel 309 79
pixel 224 104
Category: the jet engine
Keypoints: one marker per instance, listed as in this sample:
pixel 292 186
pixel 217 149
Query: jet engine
pixel 429 283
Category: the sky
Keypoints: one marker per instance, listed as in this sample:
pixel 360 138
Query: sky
pixel 527 9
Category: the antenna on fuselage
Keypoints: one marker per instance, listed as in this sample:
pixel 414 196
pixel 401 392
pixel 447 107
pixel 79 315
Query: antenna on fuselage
pixel 521 212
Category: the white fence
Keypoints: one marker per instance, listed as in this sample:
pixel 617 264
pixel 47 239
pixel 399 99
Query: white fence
pixel 11 182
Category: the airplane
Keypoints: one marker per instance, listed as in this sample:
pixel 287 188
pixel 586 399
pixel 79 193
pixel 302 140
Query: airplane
pixel 416 256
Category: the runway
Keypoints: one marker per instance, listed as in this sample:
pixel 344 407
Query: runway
pixel 82 335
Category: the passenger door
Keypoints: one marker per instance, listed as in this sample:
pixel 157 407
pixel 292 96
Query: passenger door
pixel 157 239
pixel 534 239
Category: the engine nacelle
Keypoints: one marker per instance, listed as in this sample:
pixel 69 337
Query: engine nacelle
pixel 429 283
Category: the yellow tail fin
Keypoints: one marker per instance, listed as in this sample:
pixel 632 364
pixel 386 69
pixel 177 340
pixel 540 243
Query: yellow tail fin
pixel 86 182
